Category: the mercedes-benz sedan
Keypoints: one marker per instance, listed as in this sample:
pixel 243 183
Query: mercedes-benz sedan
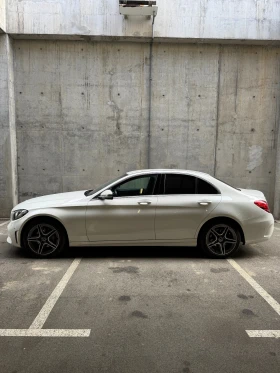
pixel 147 207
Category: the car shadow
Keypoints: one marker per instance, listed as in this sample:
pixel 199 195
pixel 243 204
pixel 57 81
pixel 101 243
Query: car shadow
pixel 150 252
pixel 127 252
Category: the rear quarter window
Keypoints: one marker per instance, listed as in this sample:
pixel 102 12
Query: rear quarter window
pixel 205 188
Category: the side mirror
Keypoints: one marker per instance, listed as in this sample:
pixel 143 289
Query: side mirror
pixel 106 194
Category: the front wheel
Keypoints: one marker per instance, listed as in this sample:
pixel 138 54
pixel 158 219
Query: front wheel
pixel 219 240
pixel 44 238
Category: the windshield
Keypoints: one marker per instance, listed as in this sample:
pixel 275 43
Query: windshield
pixel 93 191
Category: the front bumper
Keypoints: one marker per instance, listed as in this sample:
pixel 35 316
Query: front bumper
pixel 14 229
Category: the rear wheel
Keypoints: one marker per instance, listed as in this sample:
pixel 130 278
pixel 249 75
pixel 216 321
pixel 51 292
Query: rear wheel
pixel 44 238
pixel 219 240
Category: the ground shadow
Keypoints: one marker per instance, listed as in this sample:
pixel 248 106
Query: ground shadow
pixel 127 252
pixel 151 252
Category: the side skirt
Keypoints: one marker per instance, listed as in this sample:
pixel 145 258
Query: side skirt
pixel 190 243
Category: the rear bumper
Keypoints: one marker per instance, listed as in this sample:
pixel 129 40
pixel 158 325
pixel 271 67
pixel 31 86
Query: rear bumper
pixel 258 229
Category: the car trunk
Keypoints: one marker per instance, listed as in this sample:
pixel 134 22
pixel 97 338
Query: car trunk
pixel 253 193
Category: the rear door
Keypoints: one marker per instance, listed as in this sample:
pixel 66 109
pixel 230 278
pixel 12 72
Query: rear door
pixel 185 203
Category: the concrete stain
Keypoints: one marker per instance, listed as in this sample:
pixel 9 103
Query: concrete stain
pixel 272 353
pixel 186 369
pixel 219 270
pixel 248 312
pixel 29 194
pixel 10 285
pixel 124 298
pixel 255 157
pixel 242 296
pixel 128 269
pixel 139 314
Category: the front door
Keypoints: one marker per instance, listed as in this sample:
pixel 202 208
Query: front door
pixel 129 216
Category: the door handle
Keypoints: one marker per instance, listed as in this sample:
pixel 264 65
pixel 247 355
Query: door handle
pixel 204 203
pixel 144 203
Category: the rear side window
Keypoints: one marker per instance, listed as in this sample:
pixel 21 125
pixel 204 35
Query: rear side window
pixel 205 188
pixel 179 184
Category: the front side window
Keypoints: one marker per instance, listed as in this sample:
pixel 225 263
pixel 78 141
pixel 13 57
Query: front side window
pixel 138 186
pixel 179 184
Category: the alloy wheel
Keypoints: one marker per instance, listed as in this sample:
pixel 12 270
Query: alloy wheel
pixel 221 239
pixel 43 239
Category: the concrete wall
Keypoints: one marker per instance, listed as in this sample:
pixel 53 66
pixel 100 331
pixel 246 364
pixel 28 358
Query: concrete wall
pixel 82 112
pixel 215 109
pixel 183 19
pixel 248 117
pixel 7 130
pixel 2 15
pixel 184 106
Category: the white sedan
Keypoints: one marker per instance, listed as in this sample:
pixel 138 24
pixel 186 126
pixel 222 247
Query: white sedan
pixel 147 207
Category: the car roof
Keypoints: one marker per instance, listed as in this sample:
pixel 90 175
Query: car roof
pixel 166 170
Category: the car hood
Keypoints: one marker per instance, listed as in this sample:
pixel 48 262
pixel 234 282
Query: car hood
pixel 253 193
pixel 52 200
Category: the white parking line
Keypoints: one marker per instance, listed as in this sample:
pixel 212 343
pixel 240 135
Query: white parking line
pixel 6 222
pixel 48 306
pixel 35 329
pixel 263 293
pixel 263 333
pixel 44 332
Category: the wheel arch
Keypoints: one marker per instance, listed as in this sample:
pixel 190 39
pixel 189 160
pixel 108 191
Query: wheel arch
pixel 39 217
pixel 223 219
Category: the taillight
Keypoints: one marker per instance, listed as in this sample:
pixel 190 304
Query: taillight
pixel 263 205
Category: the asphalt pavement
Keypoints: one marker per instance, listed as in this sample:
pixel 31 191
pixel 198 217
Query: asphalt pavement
pixel 140 310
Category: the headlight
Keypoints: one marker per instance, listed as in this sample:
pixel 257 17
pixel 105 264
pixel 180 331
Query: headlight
pixel 17 214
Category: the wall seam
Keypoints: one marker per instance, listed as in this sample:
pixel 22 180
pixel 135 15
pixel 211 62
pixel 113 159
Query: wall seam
pixel 276 199
pixel 150 94
pixel 12 121
pixel 218 110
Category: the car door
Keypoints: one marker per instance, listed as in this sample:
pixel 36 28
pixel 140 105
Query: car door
pixel 129 216
pixel 185 203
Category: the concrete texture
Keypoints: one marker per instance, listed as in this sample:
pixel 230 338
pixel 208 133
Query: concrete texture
pixel 148 311
pixel 82 112
pixel 183 129
pixel 2 16
pixel 183 19
pixel 248 117
pixel 76 113
pixel 8 184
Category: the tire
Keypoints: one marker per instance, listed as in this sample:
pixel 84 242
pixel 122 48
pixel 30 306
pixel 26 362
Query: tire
pixel 44 238
pixel 219 239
